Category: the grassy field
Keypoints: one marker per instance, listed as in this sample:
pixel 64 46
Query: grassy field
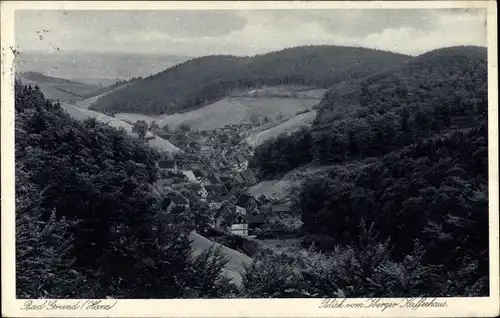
pixel 236 260
pixel 288 184
pixel 101 82
pixel 85 103
pixel 276 189
pixel 82 114
pixel 292 124
pixel 58 88
pixel 52 93
pixel 229 111
pixel 294 91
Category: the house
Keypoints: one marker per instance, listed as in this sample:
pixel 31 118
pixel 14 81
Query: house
pixel 281 209
pixel 198 174
pixel 222 217
pixel 168 205
pixel 214 179
pixel 175 203
pixel 241 162
pixel 249 176
pixel 181 202
pixel 180 138
pixel 215 205
pixel 189 175
pixel 203 140
pixel 169 165
pixel 245 224
pixel 223 138
pixel 203 193
pixel 206 151
pixel 204 182
pixel 238 225
pixel 213 165
pixel 217 189
pixel 196 166
pixel 194 145
pixel 239 179
pixel 264 199
pixel 217 163
pixel 226 179
pixel 246 204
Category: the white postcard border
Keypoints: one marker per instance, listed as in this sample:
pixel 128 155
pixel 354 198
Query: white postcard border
pixel 465 307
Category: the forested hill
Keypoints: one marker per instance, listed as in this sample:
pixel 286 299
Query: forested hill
pixel 437 91
pixel 404 159
pixel 204 80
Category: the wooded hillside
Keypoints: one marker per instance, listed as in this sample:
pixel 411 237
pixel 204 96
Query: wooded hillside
pixel 88 223
pixel 204 80
pixel 407 182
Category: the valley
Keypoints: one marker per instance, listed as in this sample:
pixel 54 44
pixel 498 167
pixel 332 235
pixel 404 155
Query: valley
pixel 293 173
pixel 257 114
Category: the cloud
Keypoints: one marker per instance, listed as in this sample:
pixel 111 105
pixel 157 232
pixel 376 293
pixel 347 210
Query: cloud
pixel 202 32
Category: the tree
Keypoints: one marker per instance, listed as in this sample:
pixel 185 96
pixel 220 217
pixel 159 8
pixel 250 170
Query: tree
pixel 184 127
pixel 87 215
pixel 140 128
pixel 153 127
pixel 43 247
pixel 167 129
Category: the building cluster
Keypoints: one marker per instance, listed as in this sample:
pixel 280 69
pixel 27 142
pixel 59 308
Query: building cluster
pixel 247 215
pixel 217 163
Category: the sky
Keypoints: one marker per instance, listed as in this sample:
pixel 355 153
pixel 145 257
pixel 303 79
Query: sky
pixel 246 32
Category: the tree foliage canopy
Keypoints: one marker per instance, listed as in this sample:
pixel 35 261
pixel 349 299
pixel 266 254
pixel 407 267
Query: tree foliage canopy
pixel 86 214
pixel 204 80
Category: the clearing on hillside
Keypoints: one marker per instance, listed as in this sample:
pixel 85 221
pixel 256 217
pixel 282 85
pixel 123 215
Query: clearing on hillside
pixel 291 125
pixel 82 114
pixel 55 88
pixel 229 111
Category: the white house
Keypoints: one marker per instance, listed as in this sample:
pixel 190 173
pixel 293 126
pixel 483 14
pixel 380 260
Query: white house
pixel 239 226
pixel 189 175
pixel 245 225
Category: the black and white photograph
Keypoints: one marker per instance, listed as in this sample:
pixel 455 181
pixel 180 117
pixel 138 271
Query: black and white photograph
pixel 237 153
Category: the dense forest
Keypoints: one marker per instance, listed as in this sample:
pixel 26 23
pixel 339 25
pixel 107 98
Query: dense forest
pixel 407 158
pixel 204 80
pixel 89 223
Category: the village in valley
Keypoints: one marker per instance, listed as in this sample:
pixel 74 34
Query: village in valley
pixel 211 177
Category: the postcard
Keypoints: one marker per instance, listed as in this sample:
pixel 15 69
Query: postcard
pixel 249 159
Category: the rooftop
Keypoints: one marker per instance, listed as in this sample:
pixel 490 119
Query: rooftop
pixel 281 208
pixel 244 199
pixel 189 175
pixel 167 164
pixel 240 159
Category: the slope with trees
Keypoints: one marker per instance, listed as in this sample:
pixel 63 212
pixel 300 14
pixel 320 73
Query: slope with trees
pixel 407 151
pixel 58 88
pixel 202 81
pixel 87 215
